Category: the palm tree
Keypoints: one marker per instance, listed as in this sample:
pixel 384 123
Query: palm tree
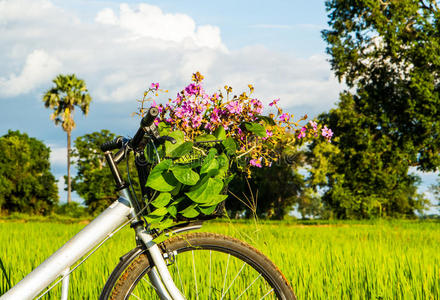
pixel 68 92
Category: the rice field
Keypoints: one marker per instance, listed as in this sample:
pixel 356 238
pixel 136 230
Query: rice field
pixel 343 260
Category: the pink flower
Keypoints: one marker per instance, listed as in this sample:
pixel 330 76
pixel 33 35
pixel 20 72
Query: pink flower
pixel 327 133
pixel 159 107
pixel 256 162
pixel 314 125
pixel 208 126
pixel 178 99
pixel 156 122
pixel 285 117
pixel 274 102
pixel 234 107
pixel 192 89
pixel 269 133
pixel 214 116
pixel 302 133
pixel 154 86
pixel 197 121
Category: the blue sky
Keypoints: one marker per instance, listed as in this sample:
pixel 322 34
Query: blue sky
pixel 120 47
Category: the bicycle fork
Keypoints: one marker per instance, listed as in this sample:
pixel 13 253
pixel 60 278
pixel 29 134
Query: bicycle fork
pixel 159 275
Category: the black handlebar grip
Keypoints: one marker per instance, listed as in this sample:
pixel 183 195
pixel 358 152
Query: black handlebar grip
pixel 112 145
pixel 146 121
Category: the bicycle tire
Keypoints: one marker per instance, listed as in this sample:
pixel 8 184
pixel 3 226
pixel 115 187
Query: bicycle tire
pixel 274 284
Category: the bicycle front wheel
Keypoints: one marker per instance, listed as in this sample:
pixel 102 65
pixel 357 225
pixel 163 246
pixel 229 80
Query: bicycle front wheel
pixel 208 266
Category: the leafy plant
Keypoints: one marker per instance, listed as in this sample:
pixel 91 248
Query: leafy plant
pixel 212 133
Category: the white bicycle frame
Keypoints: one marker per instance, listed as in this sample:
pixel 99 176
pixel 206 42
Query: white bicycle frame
pixel 100 229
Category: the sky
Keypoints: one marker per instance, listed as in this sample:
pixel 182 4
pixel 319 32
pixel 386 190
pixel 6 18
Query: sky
pixel 119 48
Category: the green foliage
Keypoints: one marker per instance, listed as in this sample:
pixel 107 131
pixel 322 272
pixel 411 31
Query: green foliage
pixel 389 51
pixel 94 181
pixel 26 183
pixel 186 185
pixel 68 92
pixel 72 210
pixel 364 172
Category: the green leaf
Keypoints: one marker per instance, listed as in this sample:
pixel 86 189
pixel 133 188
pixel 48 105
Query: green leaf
pixel 190 211
pixel 185 175
pixel 168 222
pixel 164 129
pixel 181 150
pixel 176 190
pixel 216 199
pixel 161 200
pixel 210 162
pixel 220 133
pixel 153 219
pixel 172 210
pixel 230 146
pixel 169 147
pixel 150 153
pixel 256 128
pixel 163 165
pixel 161 211
pixel 206 192
pixel 160 179
pixel 205 138
pixel 207 210
pixel 266 119
pixel 223 165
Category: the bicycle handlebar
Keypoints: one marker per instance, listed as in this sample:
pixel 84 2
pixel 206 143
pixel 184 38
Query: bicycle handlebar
pixel 146 124
pixel 111 145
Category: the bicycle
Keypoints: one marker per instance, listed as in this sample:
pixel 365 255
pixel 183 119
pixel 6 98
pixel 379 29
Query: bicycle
pixel 170 266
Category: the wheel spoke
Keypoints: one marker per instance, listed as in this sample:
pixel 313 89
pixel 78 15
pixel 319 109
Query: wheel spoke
pixel 226 274
pixel 249 286
pixel 147 281
pixel 233 280
pixel 210 272
pixel 132 294
pixel 178 273
pixel 267 294
pixel 195 277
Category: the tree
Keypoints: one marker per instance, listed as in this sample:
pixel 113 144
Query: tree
pixel 388 54
pixel 94 181
pixel 68 92
pixel 26 183
pixel 389 51
pixel 363 172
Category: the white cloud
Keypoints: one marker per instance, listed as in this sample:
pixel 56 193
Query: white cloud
pixel 149 21
pixel 58 156
pixel 38 68
pixel 124 50
pixel 61 186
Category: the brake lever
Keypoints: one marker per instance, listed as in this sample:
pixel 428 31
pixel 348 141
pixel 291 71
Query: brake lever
pixel 161 140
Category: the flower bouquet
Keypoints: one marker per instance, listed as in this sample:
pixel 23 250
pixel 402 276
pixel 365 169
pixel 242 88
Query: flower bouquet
pixel 215 134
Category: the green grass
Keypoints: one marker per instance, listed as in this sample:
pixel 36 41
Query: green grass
pixel 328 260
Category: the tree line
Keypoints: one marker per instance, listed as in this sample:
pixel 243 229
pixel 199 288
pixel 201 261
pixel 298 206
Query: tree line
pixel 386 122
